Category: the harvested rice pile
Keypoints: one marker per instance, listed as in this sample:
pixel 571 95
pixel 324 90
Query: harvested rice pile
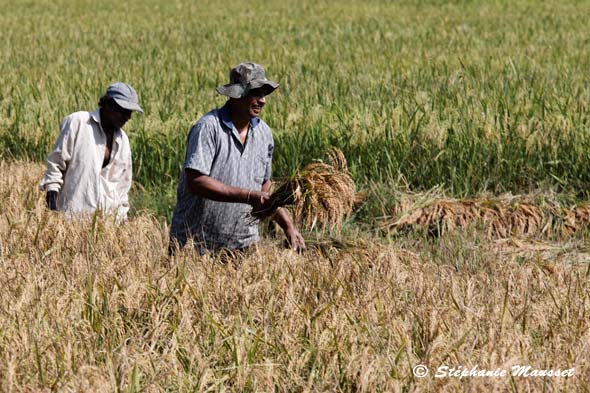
pixel 500 217
pixel 320 195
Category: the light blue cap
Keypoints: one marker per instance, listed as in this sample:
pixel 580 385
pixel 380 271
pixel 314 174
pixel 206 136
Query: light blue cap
pixel 125 96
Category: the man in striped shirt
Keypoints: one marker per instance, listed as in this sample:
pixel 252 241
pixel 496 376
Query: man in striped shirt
pixel 227 170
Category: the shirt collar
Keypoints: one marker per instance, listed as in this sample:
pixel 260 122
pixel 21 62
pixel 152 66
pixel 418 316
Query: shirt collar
pixel 225 116
pixel 95 116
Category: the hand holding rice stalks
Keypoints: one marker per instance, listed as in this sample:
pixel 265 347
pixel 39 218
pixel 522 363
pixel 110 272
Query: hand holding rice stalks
pixel 320 194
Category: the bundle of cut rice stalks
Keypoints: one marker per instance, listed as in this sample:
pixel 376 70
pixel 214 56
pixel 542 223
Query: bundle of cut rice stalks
pixel 319 195
pixel 499 217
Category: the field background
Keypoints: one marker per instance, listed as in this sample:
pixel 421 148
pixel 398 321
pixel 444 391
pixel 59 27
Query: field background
pixel 470 97
pixel 477 96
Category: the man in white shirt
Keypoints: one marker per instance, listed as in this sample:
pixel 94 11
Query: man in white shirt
pixel 89 168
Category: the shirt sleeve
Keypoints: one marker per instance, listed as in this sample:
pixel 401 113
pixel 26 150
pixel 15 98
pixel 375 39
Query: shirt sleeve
pixel 59 158
pixel 124 185
pixel 201 147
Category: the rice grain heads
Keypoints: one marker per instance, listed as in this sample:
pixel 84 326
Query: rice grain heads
pixel 320 195
pixel 500 217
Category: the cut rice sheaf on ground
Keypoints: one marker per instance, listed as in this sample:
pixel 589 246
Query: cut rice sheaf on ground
pixel 500 217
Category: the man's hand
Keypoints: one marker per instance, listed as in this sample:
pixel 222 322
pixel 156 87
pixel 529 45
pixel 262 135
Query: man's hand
pixel 51 200
pixel 258 200
pixel 294 239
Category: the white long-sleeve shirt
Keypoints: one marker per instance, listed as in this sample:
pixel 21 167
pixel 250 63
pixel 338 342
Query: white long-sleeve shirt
pixel 74 168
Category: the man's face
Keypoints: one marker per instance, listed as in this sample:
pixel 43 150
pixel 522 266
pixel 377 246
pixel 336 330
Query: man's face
pixel 253 103
pixel 114 115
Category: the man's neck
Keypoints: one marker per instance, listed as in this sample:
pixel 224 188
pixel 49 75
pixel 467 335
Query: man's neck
pixel 239 121
pixel 108 129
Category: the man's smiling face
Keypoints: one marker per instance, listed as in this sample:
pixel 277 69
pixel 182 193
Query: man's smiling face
pixel 253 103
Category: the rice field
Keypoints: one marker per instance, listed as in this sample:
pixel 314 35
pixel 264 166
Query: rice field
pixel 93 307
pixel 464 125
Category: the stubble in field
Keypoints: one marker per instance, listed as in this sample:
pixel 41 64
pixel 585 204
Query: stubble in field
pixel 96 307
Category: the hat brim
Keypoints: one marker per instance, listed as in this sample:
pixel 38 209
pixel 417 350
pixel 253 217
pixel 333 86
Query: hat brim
pixel 238 90
pixel 128 105
pixel 231 90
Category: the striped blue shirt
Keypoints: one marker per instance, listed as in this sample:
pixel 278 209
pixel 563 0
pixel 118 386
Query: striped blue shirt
pixel 214 149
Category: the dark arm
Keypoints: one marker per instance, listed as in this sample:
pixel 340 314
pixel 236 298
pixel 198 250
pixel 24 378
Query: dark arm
pixel 207 187
pixel 282 218
pixel 51 200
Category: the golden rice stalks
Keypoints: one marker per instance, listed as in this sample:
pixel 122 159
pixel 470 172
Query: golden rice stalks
pixel 500 217
pixel 320 195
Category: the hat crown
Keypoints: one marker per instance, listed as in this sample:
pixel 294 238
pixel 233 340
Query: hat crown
pixel 244 73
pixel 123 91
pixel 244 78
pixel 124 96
